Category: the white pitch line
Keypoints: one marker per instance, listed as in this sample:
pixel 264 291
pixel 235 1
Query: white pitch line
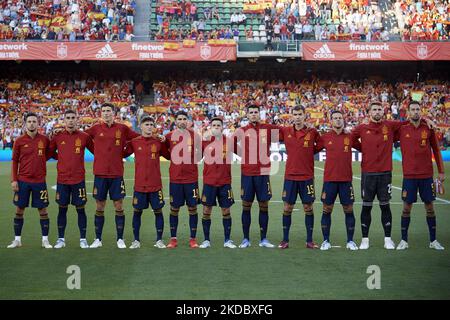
pixel 393 187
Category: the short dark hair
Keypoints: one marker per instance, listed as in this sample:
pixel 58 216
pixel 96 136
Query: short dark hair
pixel 252 106
pixel 217 119
pixel 413 102
pixel 70 111
pixel 108 105
pixel 181 113
pixel 30 114
pixel 298 108
pixel 147 118
pixel 335 111
pixel 375 103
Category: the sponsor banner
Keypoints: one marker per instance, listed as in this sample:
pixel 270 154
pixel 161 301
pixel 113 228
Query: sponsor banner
pixel 116 51
pixel 375 51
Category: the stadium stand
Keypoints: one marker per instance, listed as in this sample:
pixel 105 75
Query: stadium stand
pixel 315 20
pixel 67 20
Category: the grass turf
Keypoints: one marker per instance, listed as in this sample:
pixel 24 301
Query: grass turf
pixel 218 273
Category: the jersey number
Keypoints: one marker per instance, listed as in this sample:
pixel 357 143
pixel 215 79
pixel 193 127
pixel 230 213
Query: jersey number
pixel 310 189
pixel 44 195
pixel 82 193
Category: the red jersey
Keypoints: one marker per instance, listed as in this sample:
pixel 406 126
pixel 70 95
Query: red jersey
pixel 300 147
pixel 252 138
pixel 69 148
pixel 217 169
pixel 109 144
pixel 376 145
pixel 147 172
pixel 338 163
pixel 29 158
pixel 416 145
pixel 183 159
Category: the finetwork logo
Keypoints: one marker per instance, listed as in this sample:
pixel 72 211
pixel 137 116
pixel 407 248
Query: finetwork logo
pixel 324 52
pixel 106 53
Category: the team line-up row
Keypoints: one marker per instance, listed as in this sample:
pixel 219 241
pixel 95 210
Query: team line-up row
pixel 110 142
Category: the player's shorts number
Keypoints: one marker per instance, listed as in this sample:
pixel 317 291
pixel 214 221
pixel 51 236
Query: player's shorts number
pixel 122 187
pixel 82 193
pixel 352 194
pixel 269 188
pixel 195 193
pixel 44 195
pixel 160 196
pixel 230 194
pixel 310 189
pixel 390 188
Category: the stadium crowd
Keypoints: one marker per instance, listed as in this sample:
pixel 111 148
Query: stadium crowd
pixel 67 20
pixel 50 98
pixel 423 20
pixel 204 99
pixel 318 20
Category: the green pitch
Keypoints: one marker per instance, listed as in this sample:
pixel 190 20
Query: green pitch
pixel 31 272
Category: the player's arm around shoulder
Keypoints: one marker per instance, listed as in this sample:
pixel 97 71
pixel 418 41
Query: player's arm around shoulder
pixel 48 152
pixel 320 143
pixel 54 147
pixel 128 150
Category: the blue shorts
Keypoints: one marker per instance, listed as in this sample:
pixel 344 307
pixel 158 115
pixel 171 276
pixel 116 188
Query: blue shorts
pixel 39 195
pixel 224 194
pixel 181 193
pixel 259 185
pixel 64 192
pixel 293 188
pixel 115 187
pixel 424 186
pixel 331 189
pixel 142 200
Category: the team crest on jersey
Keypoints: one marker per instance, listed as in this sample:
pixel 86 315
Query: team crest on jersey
pixel 25 146
pixel 63 143
pixel 101 134
pixel 385 130
pixel 330 142
pixel 40 144
pixel 154 149
pixel 118 134
pixel 407 135
pixel 139 148
pixel 424 134
pixel 289 136
pixel 347 141
pixel 78 142
pixel 308 136
pixel 368 132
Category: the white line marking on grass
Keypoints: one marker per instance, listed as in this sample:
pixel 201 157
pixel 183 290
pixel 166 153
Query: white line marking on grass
pixel 393 187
